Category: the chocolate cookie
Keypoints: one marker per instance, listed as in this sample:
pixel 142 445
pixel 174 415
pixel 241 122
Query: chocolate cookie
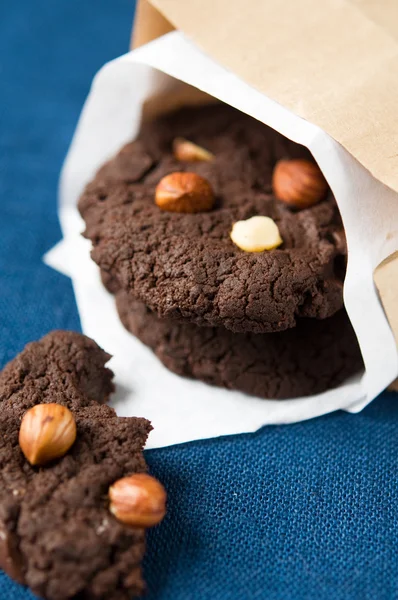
pixel 311 358
pixel 57 535
pixel 185 266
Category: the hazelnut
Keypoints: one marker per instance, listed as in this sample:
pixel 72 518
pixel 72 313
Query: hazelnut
pixel 256 234
pixel 187 151
pixel 47 432
pixel 299 183
pixel 138 500
pixel 184 193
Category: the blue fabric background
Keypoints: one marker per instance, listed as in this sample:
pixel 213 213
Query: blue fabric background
pixel 289 513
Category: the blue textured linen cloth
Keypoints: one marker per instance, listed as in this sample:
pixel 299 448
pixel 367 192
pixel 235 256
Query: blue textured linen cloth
pixel 289 513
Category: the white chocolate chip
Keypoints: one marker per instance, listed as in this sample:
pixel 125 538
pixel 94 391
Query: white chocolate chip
pixel 256 234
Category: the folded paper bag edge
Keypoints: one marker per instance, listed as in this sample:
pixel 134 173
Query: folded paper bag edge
pixel 149 24
pixel 385 274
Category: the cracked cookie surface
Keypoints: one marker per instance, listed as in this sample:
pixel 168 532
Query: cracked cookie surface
pixel 311 358
pixel 57 535
pixel 185 266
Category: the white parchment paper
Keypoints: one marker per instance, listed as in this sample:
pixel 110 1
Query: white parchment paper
pixel 180 409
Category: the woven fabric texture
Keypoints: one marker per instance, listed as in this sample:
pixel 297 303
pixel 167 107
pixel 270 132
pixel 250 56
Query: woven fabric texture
pixel 289 513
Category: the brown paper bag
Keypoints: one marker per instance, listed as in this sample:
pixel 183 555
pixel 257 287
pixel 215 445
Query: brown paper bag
pixel 334 64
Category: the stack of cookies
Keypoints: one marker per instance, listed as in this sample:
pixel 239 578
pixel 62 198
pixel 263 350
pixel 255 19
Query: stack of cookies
pixel 226 253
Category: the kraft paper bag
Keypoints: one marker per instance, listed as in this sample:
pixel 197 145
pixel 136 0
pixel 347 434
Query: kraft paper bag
pixel 322 75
